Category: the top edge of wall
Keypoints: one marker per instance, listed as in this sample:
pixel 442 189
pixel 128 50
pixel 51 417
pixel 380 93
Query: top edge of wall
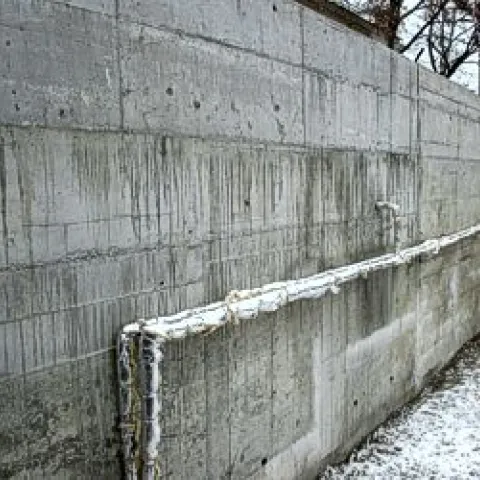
pixel 222 68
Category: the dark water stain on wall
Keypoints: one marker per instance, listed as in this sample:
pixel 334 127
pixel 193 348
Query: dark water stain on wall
pixel 3 196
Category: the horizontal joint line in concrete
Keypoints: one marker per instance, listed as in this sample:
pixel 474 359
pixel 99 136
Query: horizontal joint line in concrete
pixel 455 101
pixel 207 39
pixel 56 364
pixel 100 301
pixel 343 79
pixel 243 142
pixel 127 20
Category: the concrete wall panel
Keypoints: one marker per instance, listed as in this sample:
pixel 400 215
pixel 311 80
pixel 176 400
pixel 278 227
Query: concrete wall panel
pixel 271 29
pixel 255 140
pixel 180 84
pixel 59 66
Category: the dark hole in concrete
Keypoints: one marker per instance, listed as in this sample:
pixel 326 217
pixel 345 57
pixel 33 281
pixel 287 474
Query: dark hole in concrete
pixel 264 461
pixel 190 232
pixel 162 283
pixel 246 203
pixel 17 107
pixel 169 91
pixel 355 402
pixel 297 422
pixel 276 108
pixel 61 113
pixel 8 43
pixel 14 92
pixel 274 8
pixel 242 457
pixel 196 104
pixel 391 378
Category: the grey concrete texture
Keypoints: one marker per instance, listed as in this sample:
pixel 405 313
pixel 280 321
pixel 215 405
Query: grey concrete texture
pixel 59 66
pixel 175 83
pixel 272 29
pixel 154 156
pixel 59 422
pixel 262 71
pixel 71 195
pixel 279 396
pixel 102 228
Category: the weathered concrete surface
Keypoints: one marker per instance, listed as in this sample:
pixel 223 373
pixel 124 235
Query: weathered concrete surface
pixel 284 394
pixel 154 156
pixel 59 65
pixel 175 83
pixel 270 29
pixel 436 436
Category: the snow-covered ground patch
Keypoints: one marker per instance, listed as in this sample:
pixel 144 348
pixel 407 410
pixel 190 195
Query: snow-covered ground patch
pixel 436 437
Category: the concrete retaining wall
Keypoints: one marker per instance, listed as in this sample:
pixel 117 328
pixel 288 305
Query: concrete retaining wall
pixel 156 155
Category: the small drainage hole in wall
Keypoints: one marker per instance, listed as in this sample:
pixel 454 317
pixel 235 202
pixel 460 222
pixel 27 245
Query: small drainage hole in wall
pixel 264 461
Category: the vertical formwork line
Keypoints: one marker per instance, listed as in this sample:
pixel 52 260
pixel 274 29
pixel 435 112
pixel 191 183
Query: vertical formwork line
pixel 304 94
pixel 418 152
pixel 119 66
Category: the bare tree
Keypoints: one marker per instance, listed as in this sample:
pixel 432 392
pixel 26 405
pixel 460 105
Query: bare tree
pixel 453 37
pixel 393 16
pixel 446 29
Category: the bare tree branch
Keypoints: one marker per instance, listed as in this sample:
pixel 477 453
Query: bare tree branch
pixel 445 28
pixel 425 26
pixel 430 49
pixel 418 6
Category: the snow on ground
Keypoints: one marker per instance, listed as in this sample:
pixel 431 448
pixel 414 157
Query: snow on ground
pixel 436 437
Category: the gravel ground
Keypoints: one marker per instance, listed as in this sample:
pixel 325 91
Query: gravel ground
pixel 436 437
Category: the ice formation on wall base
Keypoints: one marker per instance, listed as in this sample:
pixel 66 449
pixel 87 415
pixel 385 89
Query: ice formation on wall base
pixel 140 344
